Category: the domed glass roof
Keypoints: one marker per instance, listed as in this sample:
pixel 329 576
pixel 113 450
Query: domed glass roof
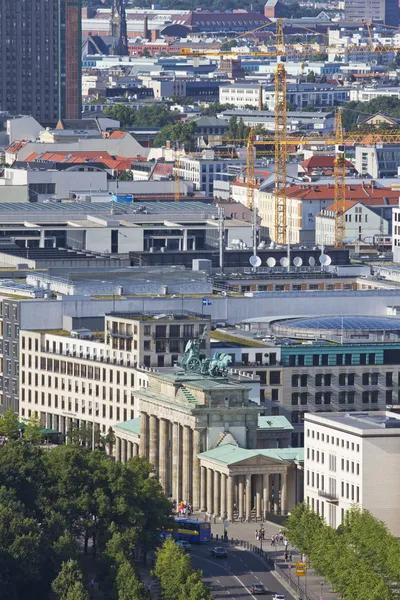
pixel 346 323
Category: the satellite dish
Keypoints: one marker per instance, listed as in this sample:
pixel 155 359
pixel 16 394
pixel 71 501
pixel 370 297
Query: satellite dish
pixel 284 261
pixel 297 261
pixel 255 261
pixel 325 260
pixel 311 261
pixel 271 262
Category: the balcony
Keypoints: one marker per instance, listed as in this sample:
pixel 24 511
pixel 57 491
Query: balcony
pixel 329 496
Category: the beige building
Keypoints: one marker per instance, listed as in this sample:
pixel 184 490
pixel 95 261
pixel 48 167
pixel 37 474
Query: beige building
pixel 353 459
pixel 201 436
pixel 76 377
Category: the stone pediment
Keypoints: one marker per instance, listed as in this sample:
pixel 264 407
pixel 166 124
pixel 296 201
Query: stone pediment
pixel 257 461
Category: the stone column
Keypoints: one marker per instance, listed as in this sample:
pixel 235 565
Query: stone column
pixel 124 445
pixel 163 454
pixel 266 489
pixel 135 449
pixel 229 498
pixel 118 449
pixel 284 507
pixel 276 493
pixel 217 494
pixel 196 469
pixel 248 497
pixel 209 491
pixel 177 462
pixel 130 450
pixel 203 489
pixel 153 443
pixel 223 495
pixel 258 495
pixel 241 496
pixel 144 434
pixel 187 464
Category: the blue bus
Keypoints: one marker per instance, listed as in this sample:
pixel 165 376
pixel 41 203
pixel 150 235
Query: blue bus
pixel 194 532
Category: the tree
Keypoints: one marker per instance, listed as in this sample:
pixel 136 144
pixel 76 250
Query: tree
pixel 180 133
pixel 9 424
pixel 213 109
pixel 128 585
pixel 155 115
pixel 33 430
pixel 68 585
pixel 126 175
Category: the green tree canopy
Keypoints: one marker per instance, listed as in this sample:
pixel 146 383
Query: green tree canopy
pixel 68 585
pixel 9 424
pixel 154 115
pixel 181 134
pixel 33 429
pixel 353 110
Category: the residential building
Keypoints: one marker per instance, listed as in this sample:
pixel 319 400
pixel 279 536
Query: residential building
pixel 350 459
pixel 362 224
pixel 301 94
pixel 386 11
pixel 41 50
pixel 322 122
pixel 396 234
pixel 202 171
pixel 378 161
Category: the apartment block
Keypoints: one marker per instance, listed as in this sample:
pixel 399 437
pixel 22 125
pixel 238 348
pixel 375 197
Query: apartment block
pixel 353 458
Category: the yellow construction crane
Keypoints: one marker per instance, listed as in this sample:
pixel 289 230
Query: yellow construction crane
pixel 281 139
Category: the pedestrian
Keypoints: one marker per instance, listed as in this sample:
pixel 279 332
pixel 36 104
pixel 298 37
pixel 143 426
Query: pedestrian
pixel 290 557
pixel 256 534
pixel 149 587
pixel 277 539
pixel 286 555
pixel 280 537
pixel 285 543
pixel 272 540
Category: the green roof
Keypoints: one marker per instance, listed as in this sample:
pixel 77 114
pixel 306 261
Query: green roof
pixel 229 454
pixel 131 426
pixel 275 422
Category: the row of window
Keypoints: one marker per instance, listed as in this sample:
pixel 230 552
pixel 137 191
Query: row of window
pixel 349 466
pixel 77 369
pixel 94 392
pixel 331 439
pixel 119 414
pixel 367 397
pixel 332 359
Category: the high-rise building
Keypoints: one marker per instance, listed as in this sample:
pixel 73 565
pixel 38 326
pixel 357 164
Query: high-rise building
pixel 40 44
pixel 386 11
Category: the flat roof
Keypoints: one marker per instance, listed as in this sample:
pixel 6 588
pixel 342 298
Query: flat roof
pixel 274 422
pixel 361 423
pixel 131 426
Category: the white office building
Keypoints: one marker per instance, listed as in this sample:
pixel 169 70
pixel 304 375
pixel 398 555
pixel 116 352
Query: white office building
pixel 353 458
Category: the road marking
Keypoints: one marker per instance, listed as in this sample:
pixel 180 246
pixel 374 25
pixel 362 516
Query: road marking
pixel 251 572
pixel 218 581
pixel 225 569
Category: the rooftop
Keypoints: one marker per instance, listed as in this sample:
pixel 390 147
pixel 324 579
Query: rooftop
pixel 152 315
pixel 359 423
pixel 229 454
pixel 274 422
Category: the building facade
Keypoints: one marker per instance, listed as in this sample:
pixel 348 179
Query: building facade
pixel 75 377
pixel 41 52
pixel 353 459
pixel 386 11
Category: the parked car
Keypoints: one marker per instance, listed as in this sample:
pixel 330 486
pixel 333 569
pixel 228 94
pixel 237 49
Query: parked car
pixel 258 588
pixel 219 553
pixel 278 597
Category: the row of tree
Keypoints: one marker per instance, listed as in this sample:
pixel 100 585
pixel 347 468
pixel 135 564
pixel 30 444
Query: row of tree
pixel 70 504
pixel 360 558
pixel 178 580
pixel 353 110
pixel 154 115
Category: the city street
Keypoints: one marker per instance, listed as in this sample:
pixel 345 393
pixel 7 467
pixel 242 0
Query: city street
pixel 232 577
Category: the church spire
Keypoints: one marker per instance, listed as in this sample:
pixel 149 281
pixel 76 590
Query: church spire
pixel 119 29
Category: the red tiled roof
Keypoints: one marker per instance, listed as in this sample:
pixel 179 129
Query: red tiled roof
pixel 322 162
pixel 367 194
pixel 117 135
pixel 162 169
pixel 111 162
pixel 15 146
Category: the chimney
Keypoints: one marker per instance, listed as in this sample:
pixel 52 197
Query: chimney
pixel 146 33
pixel 155 34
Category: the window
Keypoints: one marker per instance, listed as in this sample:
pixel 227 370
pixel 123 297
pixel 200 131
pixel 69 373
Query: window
pixel 275 377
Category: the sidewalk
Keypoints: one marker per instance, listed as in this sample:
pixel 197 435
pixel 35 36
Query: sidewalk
pixel 316 587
